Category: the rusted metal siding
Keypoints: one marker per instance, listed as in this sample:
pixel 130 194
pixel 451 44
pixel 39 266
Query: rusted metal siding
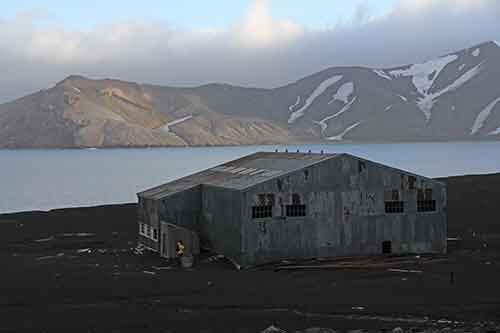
pixel 345 200
pixel 221 220
pixel 182 208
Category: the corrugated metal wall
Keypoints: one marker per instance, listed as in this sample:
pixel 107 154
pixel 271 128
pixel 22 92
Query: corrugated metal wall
pixel 345 201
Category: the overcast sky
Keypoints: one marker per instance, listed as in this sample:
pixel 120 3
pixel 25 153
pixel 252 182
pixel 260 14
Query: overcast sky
pixel 262 43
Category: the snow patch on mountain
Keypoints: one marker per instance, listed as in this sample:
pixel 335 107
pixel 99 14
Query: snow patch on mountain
pixel 166 127
pixel 461 67
pixel 343 93
pixel 388 108
pixel 495 132
pixel 426 103
pixel 340 137
pixel 497 43
pixel 382 74
pixel 322 123
pixel 423 75
pixel 476 52
pixel 293 106
pixel 482 116
pixel 320 89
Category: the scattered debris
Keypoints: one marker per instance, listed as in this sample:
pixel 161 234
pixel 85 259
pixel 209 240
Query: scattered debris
pixel 78 234
pixel 214 258
pixel 84 251
pixel 273 329
pixel 159 268
pixel 398 270
pixel 149 272
pixel 41 240
pixel 319 330
pixel 50 257
pixel 359 308
pixel 139 249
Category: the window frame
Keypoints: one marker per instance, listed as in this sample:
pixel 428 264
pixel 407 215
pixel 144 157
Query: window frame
pixel 394 207
pixel 296 210
pixel 262 212
pixel 426 206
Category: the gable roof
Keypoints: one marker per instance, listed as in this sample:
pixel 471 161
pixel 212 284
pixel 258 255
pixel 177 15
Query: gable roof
pixel 241 173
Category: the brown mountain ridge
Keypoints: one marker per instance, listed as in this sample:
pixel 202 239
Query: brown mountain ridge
pixel 454 97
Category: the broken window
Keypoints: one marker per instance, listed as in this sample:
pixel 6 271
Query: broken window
pixel 265 205
pixel 295 210
pixel 393 202
pixel 270 199
pixel 260 212
pixel 395 195
pixel 425 203
pixel 262 199
pixel 155 234
pixel 428 194
pixel 306 174
pixel 426 206
pixel 296 199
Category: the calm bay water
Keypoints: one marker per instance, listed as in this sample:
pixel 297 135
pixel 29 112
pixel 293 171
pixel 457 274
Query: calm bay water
pixel 55 178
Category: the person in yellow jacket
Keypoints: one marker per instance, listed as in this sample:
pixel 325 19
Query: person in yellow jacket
pixel 180 249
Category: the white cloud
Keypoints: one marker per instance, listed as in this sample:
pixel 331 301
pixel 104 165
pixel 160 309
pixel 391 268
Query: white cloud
pixel 257 51
pixel 260 29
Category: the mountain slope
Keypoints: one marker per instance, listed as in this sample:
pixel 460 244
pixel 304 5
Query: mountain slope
pixel 454 97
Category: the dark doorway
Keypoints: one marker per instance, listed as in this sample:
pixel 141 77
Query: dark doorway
pixel 386 247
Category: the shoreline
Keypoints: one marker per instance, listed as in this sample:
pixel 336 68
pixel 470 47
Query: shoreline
pixel 299 143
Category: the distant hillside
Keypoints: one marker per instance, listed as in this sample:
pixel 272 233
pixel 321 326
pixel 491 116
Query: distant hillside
pixel 454 97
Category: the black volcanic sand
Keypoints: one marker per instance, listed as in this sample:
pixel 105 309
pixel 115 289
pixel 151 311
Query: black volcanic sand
pixel 75 270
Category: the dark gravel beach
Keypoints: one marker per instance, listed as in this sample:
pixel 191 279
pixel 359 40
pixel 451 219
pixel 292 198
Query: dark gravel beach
pixel 77 270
